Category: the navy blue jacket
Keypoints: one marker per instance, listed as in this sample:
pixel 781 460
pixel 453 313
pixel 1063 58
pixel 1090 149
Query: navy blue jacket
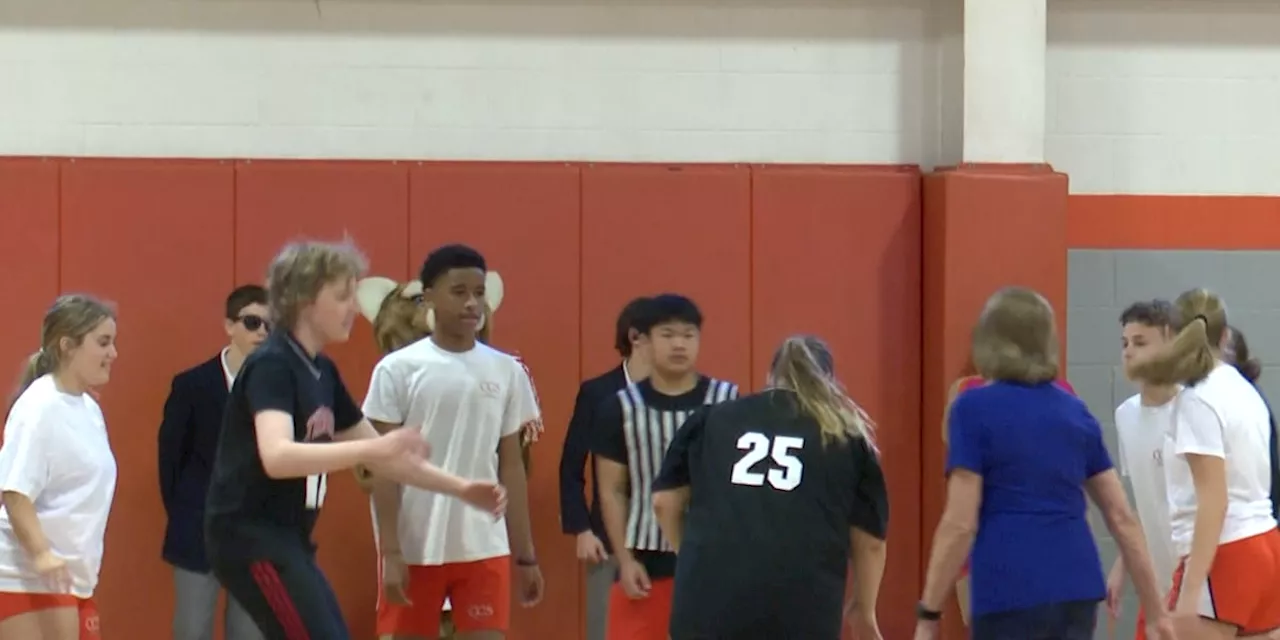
pixel 576 516
pixel 188 441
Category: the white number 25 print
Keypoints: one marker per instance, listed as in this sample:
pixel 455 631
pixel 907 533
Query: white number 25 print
pixel 786 471
pixel 317 486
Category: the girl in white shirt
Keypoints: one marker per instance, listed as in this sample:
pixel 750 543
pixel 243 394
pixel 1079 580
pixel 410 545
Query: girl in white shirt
pixel 1218 475
pixel 57 478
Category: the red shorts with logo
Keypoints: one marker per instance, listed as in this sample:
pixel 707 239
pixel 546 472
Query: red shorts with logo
pixel 16 604
pixel 1241 588
pixel 479 591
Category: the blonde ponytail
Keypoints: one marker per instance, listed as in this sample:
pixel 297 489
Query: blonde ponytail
pixel 1188 358
pixel 803 364
pixel 36 365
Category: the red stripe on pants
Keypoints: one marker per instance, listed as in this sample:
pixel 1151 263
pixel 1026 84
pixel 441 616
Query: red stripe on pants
pixel 268 579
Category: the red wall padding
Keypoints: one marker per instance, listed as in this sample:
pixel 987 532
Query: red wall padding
pixel 766 252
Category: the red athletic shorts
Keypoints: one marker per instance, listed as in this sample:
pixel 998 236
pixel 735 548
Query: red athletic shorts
pixel 14 604
pixel 646 618
pixel 1241 590
pixel 479 591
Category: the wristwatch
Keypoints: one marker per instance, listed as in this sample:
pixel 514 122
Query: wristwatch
pixel 926 614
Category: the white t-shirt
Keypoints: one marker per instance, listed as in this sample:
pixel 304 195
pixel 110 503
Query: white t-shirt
pixel 464 403
pixel 1223 416
pixel 1142 432
pixel 57 454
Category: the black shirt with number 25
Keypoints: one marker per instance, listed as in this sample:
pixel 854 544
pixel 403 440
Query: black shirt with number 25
pixel 766 541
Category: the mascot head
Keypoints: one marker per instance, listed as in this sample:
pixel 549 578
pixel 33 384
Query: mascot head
pixel 395 310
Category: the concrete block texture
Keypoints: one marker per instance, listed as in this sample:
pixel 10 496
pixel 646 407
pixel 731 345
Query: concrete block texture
pixel 1101 283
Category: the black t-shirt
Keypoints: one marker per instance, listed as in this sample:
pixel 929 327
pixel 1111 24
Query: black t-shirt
pixel 634 428
pixel 280 376
pixel 766 541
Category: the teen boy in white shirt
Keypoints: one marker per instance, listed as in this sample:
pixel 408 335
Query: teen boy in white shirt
pixel 1141 424
pixel 472 402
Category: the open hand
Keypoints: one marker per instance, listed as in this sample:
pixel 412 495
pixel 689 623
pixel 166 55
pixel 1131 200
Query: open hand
pixel 54 571
pixel 486 496
pixel 395 579
pixel 590 548
pixel 1115 591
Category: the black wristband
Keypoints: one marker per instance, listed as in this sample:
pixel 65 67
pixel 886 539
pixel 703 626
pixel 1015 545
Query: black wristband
pixel 526 562
pixel 926 614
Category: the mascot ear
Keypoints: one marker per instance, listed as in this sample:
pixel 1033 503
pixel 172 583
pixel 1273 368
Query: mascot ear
pixel 411 289
pixel 493 290
pixel 370 292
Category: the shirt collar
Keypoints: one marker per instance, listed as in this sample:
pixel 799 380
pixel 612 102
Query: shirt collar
pixel 302 354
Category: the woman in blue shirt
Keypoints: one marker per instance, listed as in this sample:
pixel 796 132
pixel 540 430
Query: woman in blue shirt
pixel 1022 455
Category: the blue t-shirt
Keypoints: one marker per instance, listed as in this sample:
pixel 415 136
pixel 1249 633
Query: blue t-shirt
pixel 1034 446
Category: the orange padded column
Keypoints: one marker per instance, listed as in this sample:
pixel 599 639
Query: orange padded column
pixel 985 227
pixel 999 219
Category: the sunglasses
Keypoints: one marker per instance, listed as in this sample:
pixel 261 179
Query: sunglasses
pixel 253 323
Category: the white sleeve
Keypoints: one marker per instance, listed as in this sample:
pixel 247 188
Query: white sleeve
pixel 24 457
pixel 1197 428
pixel 1121 460
pixel 385 400
pixel 522 404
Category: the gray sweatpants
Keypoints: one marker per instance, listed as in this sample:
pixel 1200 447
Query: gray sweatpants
pixel 599 583
pixel 195 599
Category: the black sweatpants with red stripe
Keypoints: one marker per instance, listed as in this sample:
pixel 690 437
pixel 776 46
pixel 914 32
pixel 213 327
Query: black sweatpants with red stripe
pixel 279 584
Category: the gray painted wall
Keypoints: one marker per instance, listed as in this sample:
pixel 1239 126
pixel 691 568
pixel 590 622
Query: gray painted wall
pixel 1102 283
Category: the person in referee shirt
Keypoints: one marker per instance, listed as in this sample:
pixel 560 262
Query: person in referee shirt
pixel 767 499
pixel 578 519
pixel 632 431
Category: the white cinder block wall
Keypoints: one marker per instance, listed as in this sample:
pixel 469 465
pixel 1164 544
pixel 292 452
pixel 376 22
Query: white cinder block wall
pixel 1145 96
pixel 638 80
pixel 1165 96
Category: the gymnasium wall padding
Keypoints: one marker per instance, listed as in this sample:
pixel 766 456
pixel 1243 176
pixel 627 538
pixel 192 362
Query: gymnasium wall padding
pixel 836 253
pixel 29 244
pixel 156 239
pixel 686 229
pixel 524 218
pixel 167 240
pixel 985 227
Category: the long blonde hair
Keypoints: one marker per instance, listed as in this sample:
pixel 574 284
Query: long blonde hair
pixel 1016 338
pixel 804 365
pixel 70 317
pixel 1201 322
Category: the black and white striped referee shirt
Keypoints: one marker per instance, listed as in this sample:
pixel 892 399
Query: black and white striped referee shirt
pixel 635 428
